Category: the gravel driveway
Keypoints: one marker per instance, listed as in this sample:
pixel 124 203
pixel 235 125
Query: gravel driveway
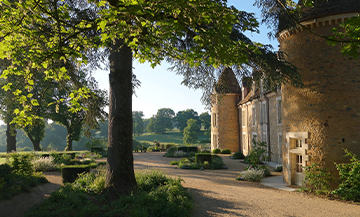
pixel 215 192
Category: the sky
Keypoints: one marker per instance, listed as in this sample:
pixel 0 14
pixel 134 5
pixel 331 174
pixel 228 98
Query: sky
pixel 161 88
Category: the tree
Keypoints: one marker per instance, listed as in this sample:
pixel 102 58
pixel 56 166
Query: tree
pixel 190 132
pixel 162 121
pixel 61 111
pixel 138 124
pixel 195 33
pixel 205 120
pixel 183 116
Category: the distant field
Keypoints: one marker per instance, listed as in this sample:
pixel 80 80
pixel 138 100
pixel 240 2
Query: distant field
pixel 168 137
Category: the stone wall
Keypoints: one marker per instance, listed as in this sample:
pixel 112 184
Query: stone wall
pixel 226 130
pixel 327 108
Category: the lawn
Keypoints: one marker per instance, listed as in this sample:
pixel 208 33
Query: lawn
pixel 167 137
pixel 2 160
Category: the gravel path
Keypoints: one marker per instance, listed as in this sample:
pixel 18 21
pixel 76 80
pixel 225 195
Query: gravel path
pixel 215 192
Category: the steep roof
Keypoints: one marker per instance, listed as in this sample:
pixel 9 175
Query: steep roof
pixel 324 8
pixel 227 82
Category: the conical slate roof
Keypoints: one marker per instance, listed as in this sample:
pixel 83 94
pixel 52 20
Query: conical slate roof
pixel 324 8
pixel 227 82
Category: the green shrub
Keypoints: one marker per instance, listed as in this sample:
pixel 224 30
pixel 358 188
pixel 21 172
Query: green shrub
pixel 188 163
pixel 60 158
pixel 252 175
pixel 266 170
pixel 43 163
pixel 217 162
pixel 70 173
pixel 182 148
pixel 201 157
pixel 97 149
pixel 158 195
pixel 257 152
pixel 238 155
pixel 226 151
pixel 174 162
pixel 349 188
pixel 170 151
pixel 192 149
pixel 317 178
pixel 216 151
pixel 278 168
pixel 192 154
pixel 21 163
pixel 179 154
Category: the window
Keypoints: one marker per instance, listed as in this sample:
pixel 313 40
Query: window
pixel 253 116
pixel 279 112
pixel 298 143
pixel 299 164
pixel 263 113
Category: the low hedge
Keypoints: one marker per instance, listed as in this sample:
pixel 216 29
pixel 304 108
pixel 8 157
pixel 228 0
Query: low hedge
pixel 201 157
pixel 70 173
pixel 188 149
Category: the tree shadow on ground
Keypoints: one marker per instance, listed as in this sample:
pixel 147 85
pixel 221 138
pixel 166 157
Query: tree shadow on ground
pixel 215 207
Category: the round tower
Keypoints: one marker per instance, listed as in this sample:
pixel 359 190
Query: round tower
pixel 224 113
pixel 321 119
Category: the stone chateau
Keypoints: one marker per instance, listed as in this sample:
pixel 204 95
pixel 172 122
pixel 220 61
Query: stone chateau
pixel 301 126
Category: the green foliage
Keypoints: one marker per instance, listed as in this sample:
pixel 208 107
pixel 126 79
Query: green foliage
pixel 138 123
pixel 217 162
pixel 278 168
pixel 174 162
pixel 226 151
pixel 188 163
pixel 161 122
pixel 317 179
pixel 60 158
pixel 202 157
pixel 21 164
pixel 238 155
pixel 182 117
pixel 252 175
pixel 158 195
pixel 43 163
pixel 216 151
pixel 170 152
pixel 13 182
pixel 349 188
pixel 205 120
pixel 96 142
pixel 257 152
pixel 70 173
pixel 191 132
pixel 205 141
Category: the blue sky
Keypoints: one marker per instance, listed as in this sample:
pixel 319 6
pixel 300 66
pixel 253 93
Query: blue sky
pixel 161 88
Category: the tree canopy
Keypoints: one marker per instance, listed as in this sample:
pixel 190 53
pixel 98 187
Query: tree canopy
pixel 196 36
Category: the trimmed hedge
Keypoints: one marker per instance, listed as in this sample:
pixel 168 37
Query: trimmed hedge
pixel 226 151
pixel 71 172
pixel 201 157
pixel 188 149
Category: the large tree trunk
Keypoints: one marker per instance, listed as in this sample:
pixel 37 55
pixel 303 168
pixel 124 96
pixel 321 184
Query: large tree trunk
pixel 36 143
pixel 69 140
pixel 10 138
pixel 120 177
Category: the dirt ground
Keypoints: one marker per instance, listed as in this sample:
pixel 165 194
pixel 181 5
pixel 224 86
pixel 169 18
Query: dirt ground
pixel 215 192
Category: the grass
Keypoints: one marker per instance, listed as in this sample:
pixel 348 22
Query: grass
pixel 2 160
pixel 168 137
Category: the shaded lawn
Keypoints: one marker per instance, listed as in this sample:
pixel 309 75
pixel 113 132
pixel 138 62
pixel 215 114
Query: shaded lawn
pixel 167 137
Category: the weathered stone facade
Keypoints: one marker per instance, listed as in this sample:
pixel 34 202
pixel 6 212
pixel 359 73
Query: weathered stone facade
pixel 313 124
pixel 225 123
pixel 326 109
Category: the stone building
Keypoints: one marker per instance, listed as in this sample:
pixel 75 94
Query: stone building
pixel 313 124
